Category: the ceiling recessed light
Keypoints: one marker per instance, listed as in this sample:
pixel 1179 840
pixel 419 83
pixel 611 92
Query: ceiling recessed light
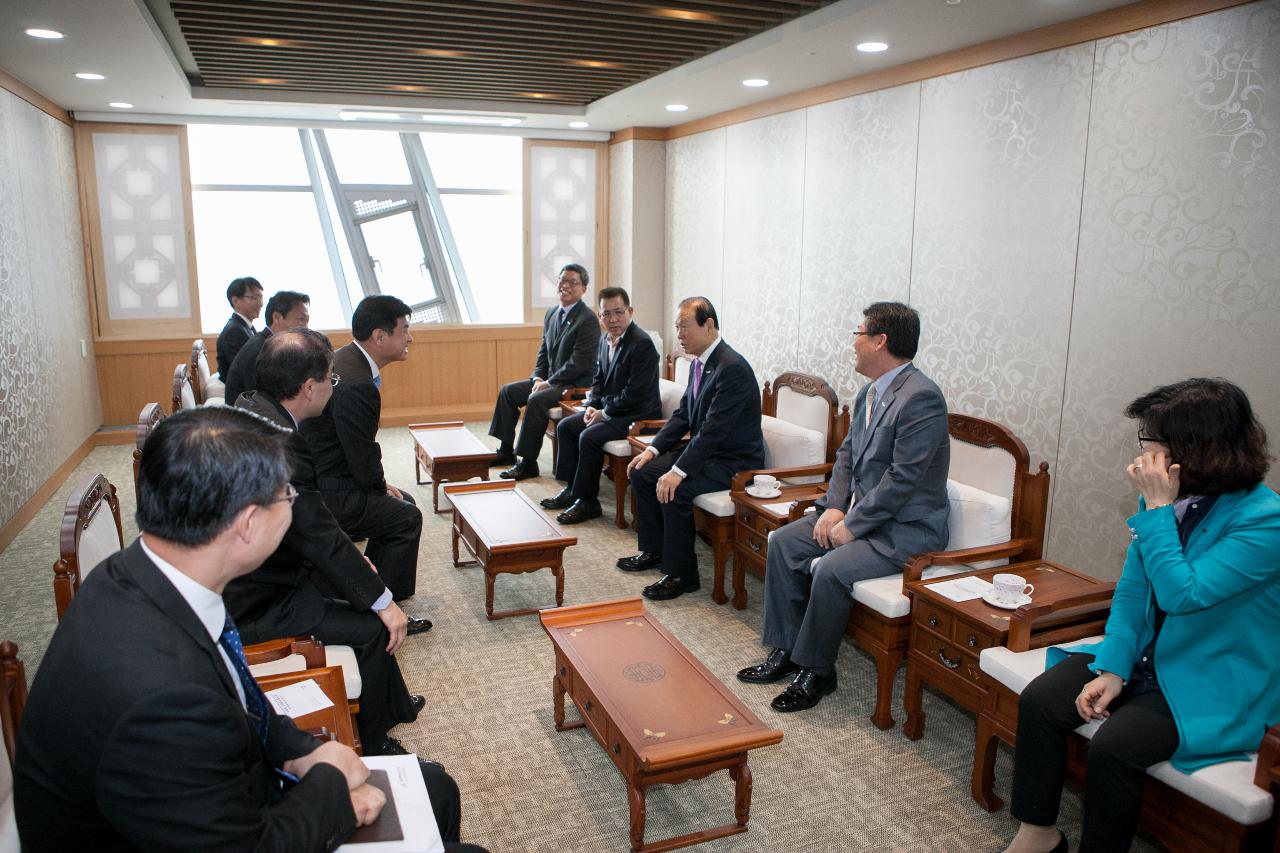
pixel 593 63
pixel 686 15
pixel 755 82
pixel 873 47
pixel 442 54
pixel 121 105
pixel 89 75
pixel 677 108
pixel 579 124
pixel 36 32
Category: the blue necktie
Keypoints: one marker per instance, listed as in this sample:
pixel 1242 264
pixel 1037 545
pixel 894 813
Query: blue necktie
pixel 255 703
pixel 377 381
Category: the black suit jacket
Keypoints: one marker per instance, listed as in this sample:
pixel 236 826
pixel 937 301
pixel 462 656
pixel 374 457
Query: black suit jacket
pixel 134 736
pixel 724 419
pixel 280 592
pixel 627 389
pixel 234 335
pixel 344 439
pixel 243 374
pixel 568 352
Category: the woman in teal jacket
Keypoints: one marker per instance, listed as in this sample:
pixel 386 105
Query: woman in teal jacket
pixel 1189 668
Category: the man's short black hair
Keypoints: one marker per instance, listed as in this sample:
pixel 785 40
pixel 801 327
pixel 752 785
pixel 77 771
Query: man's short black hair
pixel 202 467
pixel 703 310
pixel 377 312
pixel 580 270
pixel 1211 433
pixel 283 302
pixel 239 287
pixel 288 359
pixel 900 323
pixel 613 293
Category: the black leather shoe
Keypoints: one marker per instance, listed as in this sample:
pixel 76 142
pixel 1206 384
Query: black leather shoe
pixel 640 562
pixel 804 692
pixel 520 471
pixel 775 667
pixel 580 511
pixel 418 701
pixel 418 626
pixel 668 587
pixel 564 500
pixel 504 458
pixel 389 746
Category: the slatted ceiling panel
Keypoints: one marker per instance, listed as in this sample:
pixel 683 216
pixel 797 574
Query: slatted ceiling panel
pixel 564 52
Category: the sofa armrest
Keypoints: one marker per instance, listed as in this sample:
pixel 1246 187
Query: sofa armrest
pixel 914 569
pixel 1095 601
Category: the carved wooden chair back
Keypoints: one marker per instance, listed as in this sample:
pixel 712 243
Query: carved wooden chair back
pixel 91 532
pixel 150 415
pixel 807 401
pixel 200 372
pixel 184 394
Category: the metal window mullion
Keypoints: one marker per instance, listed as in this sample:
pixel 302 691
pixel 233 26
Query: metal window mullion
pixel 250 188
pixel 355 239
pixel 422 167
pixel 326 225
pixel 431 224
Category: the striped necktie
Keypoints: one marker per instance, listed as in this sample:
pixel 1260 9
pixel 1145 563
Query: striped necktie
pixel 255 703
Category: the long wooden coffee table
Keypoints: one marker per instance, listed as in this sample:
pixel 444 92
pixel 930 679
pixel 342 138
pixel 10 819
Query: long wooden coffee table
pixel 505 531
pixel 449 452
pixel 661 716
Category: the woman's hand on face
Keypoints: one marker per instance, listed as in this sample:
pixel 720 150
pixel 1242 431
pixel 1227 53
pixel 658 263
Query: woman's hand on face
pixel 1097 695
pixel 1154 478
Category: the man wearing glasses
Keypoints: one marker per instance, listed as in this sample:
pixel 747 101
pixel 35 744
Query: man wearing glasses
pixel 294 591
pixel 566 358
pixel 625 389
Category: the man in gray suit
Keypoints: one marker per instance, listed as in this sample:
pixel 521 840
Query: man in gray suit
pixel 886 502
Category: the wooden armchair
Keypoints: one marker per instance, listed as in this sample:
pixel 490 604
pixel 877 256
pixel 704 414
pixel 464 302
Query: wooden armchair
pixel 1223 807
pixel 567 406
pixel 91 532
pixel 150 415
pixel 184 394
pixel 209 389
pixel 13 698
pixel 289 660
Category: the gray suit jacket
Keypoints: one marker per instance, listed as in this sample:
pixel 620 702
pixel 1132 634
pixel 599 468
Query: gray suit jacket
pixel 897 467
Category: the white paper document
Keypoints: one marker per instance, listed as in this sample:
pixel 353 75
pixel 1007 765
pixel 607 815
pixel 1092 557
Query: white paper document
pixel 299 699
pixel 781 508
pixel 412 807
pixel 962 589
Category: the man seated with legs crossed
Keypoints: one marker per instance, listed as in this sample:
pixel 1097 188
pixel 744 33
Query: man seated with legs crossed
pixel 625 389
pixel 566 358
pixel 284 597
pixel 144 729
pixel 886 502
pixel 721 411
pixel 344 442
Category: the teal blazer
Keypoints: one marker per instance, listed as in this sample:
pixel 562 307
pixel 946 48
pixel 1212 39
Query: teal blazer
pixel 1218 653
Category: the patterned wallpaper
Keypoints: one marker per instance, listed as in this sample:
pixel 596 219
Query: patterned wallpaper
pixel 1075 228
pixel 48 393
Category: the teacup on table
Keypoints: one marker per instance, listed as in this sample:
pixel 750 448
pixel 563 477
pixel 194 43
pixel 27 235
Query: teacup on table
pixel 764 483
pixel 1010 589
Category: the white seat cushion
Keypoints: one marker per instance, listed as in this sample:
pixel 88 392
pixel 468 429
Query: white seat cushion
pixel 884 595
pixel 788 445
pixel 556 413
pixel 977 517
pixel 670 394
pixel 215 388
pixel 214 401
pixel 1227 787
pixel 716 503
pixel 97 541
pixel 343 656
pixel 618 447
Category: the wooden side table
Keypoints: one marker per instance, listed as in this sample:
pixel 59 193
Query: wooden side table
pixel 947 636
pixel 754 519
pixel 659 714
pixel 448 451
pixel 505 531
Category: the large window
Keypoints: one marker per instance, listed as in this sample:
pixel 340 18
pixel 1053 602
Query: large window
pixel 433 218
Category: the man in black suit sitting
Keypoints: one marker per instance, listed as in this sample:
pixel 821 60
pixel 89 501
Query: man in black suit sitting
pixel 721 411
pixel 282 598
pixel 344 440
pixel 566 358
pixel 144 729
pixel 245 296
pixel 287 309
pixel 625 389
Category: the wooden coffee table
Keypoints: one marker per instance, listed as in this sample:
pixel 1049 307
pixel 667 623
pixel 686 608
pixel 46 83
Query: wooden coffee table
pixel 450 452
pixel 947 636
pixel 754 519
pixel 659 714
pixel 505 531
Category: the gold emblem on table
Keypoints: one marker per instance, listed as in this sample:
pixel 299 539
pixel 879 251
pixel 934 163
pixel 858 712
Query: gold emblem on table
pixel 652 735
pixel 637 624
pixel 729 720
pixel 575 632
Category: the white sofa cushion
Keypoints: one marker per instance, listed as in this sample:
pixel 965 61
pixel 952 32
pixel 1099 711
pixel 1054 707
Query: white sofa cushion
pixel 670 394
pixel 1226 788
pixel 716 503
pixel 618 447
pixel 977 517
pixel 788 445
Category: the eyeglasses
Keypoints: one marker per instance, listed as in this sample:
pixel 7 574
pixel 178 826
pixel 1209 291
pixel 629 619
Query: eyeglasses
pixel 1144 440
pixel 290 495
pixel 335 378
pixel 614 312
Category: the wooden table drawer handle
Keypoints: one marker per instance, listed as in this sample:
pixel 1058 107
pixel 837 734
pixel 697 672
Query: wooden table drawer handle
pixel 745 518
pixel 563 671
pixel 973 641
pixel 587 704
pixel 617 749
pixel 946 661
pixel 933 619
pixel 755 546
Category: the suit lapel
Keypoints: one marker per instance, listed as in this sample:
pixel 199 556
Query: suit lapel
pixel 709 373
pixel 623 343
pixel 882 406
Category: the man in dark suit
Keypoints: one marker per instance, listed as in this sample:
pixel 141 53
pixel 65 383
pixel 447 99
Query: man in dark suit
pixel 143 729
pixel 282 597
pixel 721 411
pixel 344 442
pixel 886 502
pixel 624 390
pixel 566 358
pixel 245 296
pixel 287 309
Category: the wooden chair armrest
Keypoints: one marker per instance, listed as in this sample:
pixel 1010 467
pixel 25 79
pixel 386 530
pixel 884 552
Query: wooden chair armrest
pixel 311 649
pixel 798 508
pixel 321 733
pixel 578 393
pixel 1267 774
pixel 742 478
pixel 638 427
pixel 1021 620
pixel 960 557
pixel 570 407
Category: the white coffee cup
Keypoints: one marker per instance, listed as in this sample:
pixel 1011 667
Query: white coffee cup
pixel 1011 588
pixel 764 483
